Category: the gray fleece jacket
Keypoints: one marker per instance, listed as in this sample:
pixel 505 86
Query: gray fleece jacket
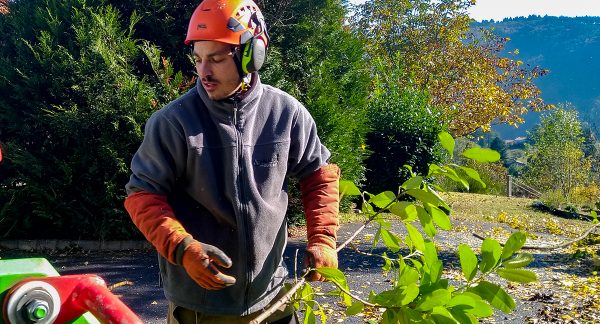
pixel 223 166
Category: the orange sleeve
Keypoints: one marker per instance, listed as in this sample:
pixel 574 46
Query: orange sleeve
pixel 321 201
pixel 155 218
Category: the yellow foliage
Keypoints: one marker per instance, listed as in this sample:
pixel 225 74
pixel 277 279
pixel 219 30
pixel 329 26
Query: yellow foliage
pixel 552 227
pixel 586 194
pixel 512 221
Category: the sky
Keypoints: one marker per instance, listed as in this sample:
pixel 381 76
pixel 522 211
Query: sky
pixel 500 9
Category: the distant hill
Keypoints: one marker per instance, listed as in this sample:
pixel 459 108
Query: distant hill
pixel 570 49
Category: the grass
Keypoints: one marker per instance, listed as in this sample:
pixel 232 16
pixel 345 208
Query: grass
pixel 518 213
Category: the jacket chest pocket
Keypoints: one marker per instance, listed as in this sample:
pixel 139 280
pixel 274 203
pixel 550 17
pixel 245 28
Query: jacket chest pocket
pixel 268 165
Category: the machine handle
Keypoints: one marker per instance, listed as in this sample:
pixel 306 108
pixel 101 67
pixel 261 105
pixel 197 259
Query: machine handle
pixel 92 295
pixel 37 300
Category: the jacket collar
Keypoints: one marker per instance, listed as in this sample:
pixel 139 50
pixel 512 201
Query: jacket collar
pixel 225 107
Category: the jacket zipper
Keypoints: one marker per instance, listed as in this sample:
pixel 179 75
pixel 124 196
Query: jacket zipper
pixel 242 220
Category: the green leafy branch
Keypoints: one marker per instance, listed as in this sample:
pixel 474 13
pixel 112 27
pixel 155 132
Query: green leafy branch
pixel 419 292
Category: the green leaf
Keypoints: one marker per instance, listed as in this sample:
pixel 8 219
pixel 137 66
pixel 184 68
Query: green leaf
pixel 462 316
pixel 387 266
pixel 426 221
pixel 406 315
pixel 518 260
pixel 440 218
pixel 442 204
pixel 435 271
pixel 398 296
pixel 367 209
pixel 413 183
pixel 333 274
pixel 415 237
pixel 594 217
pixel 388 317
pixel 461 300
pixel 482 155
pixel 473 175
pixel 430 255
pixel 495 295
pixel 306 292
pixel 355 308
pixel 468 261
pixel 424 196
pixel 390 240
pixel 434 169
pixel 517 275
pixel 513 244
pixel 407 275
pixel 447 142
pixel 480 308
pixel 409 294
pixel 438 297
pixel 490 254
pixel 348 188
pixel 383 199
pixel 337 276
pixel 441 315
pixel 309 316
pixel 383 224
pixel 406 210
pixel 451 174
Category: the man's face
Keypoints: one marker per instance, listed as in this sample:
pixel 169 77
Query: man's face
pixel 216 68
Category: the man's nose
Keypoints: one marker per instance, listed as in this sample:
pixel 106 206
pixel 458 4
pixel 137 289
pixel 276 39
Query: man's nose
pixel 204 69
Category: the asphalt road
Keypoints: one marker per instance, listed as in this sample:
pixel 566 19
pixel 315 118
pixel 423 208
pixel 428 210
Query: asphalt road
pixel 141 292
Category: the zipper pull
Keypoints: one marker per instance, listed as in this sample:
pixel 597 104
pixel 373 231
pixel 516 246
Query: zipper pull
pixel 235 111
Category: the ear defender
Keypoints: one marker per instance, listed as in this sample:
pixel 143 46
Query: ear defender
pixel 255 45
pixel 253 55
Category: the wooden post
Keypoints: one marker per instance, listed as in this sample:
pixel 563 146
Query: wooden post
pixel 509 186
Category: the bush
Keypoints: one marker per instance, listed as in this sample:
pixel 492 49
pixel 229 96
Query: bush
pixel 553 199
pixel 404 130
pixel 585 194
pixel 71 115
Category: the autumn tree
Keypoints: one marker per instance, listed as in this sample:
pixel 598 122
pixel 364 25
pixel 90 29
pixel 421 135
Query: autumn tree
pixel 556 160
pixel 463 72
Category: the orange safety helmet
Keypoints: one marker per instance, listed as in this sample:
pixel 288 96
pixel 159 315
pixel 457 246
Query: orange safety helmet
pixel 236 22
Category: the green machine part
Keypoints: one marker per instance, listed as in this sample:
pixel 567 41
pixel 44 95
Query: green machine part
pixel 14 270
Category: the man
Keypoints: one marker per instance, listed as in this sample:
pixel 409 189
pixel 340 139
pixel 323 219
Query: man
pixel 208 185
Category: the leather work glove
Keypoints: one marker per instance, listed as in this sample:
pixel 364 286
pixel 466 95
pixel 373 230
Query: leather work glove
pixel 155 218
pixel 199 261
pixel 320 253
pixel 321 200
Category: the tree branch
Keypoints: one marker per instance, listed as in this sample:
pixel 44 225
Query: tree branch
pixel 288 296
pixel 554 246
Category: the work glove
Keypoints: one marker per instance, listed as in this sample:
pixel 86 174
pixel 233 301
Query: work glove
pixel 320 253
pixel 155 218
pixel 321 200
pixel 200 261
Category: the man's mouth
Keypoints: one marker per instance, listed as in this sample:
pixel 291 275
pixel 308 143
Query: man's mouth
pixel 209 86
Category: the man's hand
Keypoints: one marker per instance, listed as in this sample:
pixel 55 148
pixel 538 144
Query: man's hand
pixel 199 261
pixel 320 253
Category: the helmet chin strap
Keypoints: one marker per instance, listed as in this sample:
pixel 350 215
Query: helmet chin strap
pixel 242 88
